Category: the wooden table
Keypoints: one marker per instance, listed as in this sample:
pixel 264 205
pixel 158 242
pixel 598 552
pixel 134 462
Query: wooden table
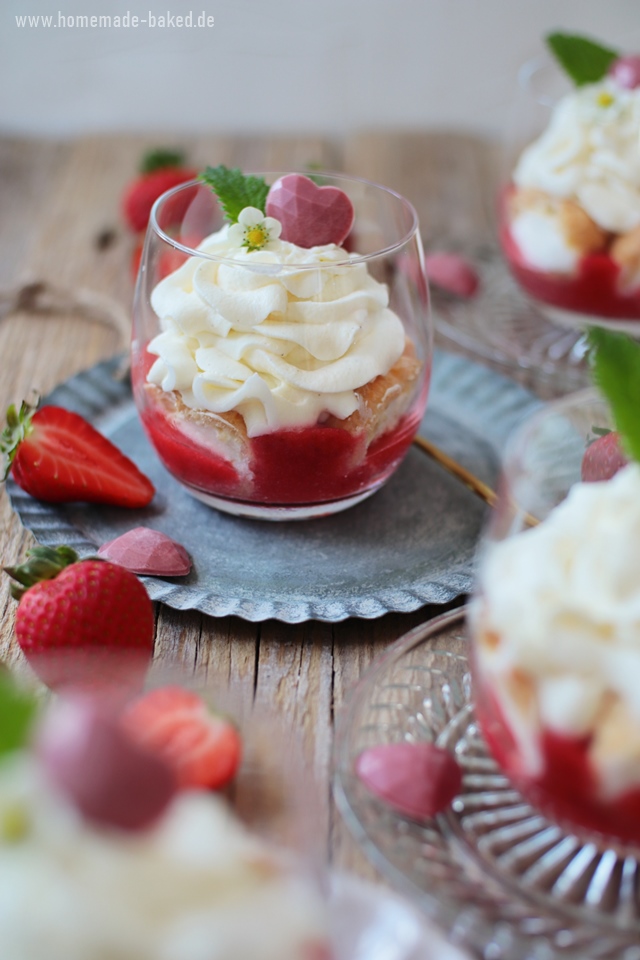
pixel 60 223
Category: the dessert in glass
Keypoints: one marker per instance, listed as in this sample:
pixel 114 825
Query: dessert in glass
pixel 121 861
pixel 570 212
pixel 556 624
pixel 281 369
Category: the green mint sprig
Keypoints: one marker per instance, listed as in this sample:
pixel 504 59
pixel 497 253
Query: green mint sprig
pixel 18 711
pixel 615 367
pixel 584 60
pixel 235 191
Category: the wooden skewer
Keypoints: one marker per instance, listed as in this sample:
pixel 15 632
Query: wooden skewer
pixel 473 483
pixel 477 486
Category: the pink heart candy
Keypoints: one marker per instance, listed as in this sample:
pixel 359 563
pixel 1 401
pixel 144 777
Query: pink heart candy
pixel 311 216
pixel 417 779
pixel 142 550
pixel 626 72
pixel 452 273
pixel 91 759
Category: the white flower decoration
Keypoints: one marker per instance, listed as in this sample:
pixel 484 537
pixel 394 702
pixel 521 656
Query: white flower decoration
pixel 253 230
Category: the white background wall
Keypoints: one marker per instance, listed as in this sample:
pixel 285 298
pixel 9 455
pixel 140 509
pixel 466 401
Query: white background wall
pixel 326 66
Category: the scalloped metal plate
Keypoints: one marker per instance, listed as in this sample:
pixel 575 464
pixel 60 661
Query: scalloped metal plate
pixel 410 544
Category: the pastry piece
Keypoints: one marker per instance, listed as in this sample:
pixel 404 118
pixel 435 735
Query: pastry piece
pixel 381 403
pixel 575 228
pixel 625 251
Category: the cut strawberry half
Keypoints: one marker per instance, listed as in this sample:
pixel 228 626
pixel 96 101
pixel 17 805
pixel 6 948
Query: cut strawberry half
pixel 57 456
pixel 204 748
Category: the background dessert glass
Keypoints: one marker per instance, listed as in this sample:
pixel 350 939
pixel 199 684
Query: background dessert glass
pixel 324 466
pixel 571 276
pixel 544 647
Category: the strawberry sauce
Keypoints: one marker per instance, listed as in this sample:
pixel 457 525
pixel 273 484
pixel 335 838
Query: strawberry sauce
pixel 593 290
pixel 309 465
pixel 567 790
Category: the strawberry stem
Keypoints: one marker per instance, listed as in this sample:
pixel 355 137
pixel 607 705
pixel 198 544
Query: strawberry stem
pixel 160 159
pixel 42 563
pixel 18 427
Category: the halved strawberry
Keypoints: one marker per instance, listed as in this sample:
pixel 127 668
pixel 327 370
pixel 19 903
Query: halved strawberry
pixel 57 456
pixel 203 747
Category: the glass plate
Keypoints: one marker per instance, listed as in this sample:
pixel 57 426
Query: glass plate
pixel 500 324
pixel 498 877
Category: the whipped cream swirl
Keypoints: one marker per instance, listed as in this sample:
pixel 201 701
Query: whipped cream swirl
pixel 196 885
pixel 590 153
pixel 267 335
pixel 562 602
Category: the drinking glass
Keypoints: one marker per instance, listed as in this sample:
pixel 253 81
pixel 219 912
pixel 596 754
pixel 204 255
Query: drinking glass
pixel 278 470
pixel 550 633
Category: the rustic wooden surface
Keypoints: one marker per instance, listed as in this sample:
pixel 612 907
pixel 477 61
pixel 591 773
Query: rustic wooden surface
pixel 56 200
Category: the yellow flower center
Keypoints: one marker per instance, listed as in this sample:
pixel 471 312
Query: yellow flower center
pixel 605 99
pixel 255 237
pixel 14 824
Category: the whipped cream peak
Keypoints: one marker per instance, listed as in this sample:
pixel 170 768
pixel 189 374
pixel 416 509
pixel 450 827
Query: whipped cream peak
pixel 283 334
pixel 590 153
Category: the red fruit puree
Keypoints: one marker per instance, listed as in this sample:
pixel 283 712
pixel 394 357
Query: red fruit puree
pixel 593 290
pixel 313 464
pixel 567 791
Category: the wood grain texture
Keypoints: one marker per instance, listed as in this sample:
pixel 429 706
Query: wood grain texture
pixel 58 199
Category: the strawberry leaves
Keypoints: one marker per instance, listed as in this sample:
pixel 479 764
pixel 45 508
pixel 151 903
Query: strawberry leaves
pixel 161 158
pixel 584 60
pixel 615 364
pixel 235 191
pixel 15 431
pixel 42 563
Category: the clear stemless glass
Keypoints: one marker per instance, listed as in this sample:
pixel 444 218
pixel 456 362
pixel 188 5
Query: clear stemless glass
pixel 281 388
pixel 576 268
pixel 554 628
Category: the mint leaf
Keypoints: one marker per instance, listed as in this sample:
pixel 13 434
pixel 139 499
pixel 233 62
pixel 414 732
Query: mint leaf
pixel 584 60
pixel 17 714
pixel 235 191
pixel 615 365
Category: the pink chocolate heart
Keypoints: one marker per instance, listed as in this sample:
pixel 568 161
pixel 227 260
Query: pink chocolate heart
pixel 417 779
pixel 142 550
pixel 311 216
pixel 452 273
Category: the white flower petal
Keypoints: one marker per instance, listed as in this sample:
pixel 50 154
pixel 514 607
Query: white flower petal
pixel 236 234
pixel 273 226
pixel 250 216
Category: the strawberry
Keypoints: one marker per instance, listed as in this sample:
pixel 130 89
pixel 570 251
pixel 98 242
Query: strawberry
pixel 136 260
pixel 160 171
pixel 417 779
pixel 56 456
pixel 204 748
pixel 82 622
pixel 603 458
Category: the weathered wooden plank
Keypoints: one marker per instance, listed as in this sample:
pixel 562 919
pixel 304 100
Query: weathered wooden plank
pixel 449 178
